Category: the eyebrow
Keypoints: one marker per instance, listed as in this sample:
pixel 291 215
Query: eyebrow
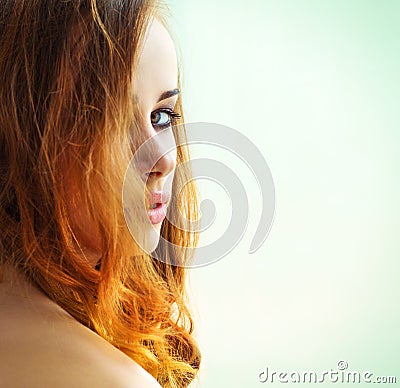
pixel 168 94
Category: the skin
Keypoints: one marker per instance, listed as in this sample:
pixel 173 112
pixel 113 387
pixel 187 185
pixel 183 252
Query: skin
pixel 41 344
pixel 156 73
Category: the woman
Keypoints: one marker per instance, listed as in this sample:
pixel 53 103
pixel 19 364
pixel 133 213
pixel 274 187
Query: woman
pixel 83 302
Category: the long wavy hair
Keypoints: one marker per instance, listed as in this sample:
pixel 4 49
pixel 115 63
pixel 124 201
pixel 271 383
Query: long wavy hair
pixel 66 80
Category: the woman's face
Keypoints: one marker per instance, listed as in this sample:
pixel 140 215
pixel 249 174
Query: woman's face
pixel 156 93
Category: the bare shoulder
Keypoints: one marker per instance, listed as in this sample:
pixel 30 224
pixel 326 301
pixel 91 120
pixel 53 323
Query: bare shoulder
pixel 43 346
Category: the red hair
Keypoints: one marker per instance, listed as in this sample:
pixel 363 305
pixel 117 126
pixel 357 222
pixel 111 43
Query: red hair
pixel 66 76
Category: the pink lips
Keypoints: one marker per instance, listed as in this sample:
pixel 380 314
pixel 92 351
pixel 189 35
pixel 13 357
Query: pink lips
pixel 159 212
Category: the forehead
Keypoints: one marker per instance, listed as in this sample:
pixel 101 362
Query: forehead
pixel 157 68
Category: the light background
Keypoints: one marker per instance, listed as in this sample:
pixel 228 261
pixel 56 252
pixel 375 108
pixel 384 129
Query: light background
pixel 315 85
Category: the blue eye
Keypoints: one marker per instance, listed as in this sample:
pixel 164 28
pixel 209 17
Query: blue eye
pixel 163 118
pixel 160 118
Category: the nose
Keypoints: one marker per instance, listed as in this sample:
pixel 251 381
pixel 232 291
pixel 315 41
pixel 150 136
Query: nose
pixel 156 157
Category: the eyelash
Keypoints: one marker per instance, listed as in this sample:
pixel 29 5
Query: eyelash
pixel 173 116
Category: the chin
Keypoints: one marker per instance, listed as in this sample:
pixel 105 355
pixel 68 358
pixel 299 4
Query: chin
pixel 152 239
pixel 147 236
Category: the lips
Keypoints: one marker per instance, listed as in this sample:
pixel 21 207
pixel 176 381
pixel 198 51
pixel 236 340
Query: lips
pixel 159 197
pixel 158 206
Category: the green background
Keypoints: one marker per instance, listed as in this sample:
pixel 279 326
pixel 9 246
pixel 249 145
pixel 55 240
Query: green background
pixel 315 85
